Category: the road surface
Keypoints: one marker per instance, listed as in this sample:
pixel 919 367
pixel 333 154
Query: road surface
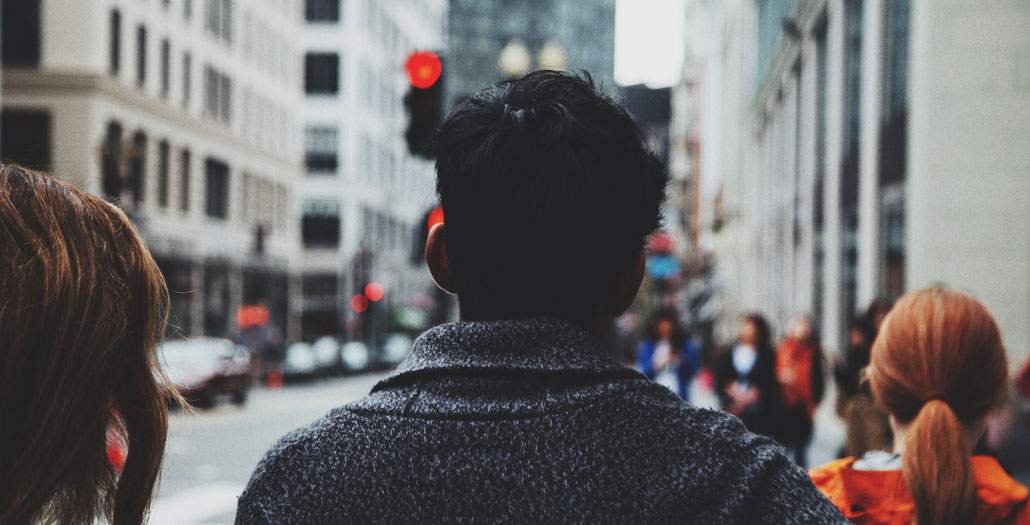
pixel 211 454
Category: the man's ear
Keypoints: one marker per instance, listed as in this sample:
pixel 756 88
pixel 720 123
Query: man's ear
pixel 436 259
pixel 626 286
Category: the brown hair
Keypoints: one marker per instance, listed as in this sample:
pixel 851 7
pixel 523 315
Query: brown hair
pixel 82 306
pixel 939 366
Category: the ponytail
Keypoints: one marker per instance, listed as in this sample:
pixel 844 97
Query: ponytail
pixel 937 366
pixel 937 468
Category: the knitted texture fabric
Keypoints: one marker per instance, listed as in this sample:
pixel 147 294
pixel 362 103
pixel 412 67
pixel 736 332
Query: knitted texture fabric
pixel 527 422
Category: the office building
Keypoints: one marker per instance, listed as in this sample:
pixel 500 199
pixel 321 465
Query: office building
pixel 185 113
pixel 861 149
pixel 363 193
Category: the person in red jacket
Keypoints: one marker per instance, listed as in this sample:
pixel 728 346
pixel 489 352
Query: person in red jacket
pixel 799 370
pixel 937 368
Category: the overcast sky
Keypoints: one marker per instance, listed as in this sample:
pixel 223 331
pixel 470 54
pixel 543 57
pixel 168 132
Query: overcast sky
pixel 648 41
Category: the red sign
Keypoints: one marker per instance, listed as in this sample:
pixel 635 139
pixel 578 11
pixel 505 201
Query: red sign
pixel 251 316
pixel 424 69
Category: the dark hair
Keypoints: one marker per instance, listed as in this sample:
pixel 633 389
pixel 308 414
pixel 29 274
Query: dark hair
pixel 548 193
pixel 679 334
pixel 82 308
pixel 763 332
pixel 877 310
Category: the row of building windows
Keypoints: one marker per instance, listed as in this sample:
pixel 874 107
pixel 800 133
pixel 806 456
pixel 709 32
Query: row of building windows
pixel 321 228
pixel 124 161
pixel 891 137
pixel 264 124
pixel 322 78
pixel 322 156
pixel 266 49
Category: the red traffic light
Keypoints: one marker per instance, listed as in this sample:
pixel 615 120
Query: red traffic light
pixel 424 69
pixel 374 291
pixel 359 304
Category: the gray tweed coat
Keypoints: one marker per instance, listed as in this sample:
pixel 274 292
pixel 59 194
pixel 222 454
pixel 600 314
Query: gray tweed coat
pixel 525 422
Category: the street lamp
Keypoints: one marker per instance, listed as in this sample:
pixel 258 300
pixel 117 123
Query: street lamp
pixel 552 56
pixel 514 60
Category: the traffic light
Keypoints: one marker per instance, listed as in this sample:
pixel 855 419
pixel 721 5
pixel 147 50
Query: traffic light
pixel 424 101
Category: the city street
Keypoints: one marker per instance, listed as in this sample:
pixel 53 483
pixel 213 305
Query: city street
pixel 211 454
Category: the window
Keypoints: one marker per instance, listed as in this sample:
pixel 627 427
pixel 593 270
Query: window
pixel 849 171
pixel 141 56
pixel 320 224
pixel 137 168
pixel 219 19
pixel 187 10
pixel 322 10
pixel 217 194
pixel 187 78
pixel 115 45
pixel 162 173
pixel 319 285
pixel 819 187
pixel 225 101
pixel 111 162
pixel 321 73
pixel 166 58
pixel 227 21
pixel 894 148
pixel 184 173
pixel 217 95
pixel 20 38
pixel 26 137
pixel 320 149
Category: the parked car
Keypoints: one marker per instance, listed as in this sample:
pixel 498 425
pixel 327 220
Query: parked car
pixel 300 363
pixel 327 354
pixel 396 348
pixel 205 370
pixel 355 356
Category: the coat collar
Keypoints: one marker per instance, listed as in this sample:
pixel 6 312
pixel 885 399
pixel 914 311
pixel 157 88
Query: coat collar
pixel 542 344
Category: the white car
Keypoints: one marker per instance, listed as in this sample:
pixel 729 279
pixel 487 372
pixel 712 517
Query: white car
pixel 355 356
pixel 205 369
pixel 396 348
pixel 327 354
pixel 300 362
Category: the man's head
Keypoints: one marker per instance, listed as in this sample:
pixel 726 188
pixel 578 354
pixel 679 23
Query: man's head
pixel 548 194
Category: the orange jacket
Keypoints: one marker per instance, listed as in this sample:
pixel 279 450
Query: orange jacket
pixel 881 497
pixel 794 363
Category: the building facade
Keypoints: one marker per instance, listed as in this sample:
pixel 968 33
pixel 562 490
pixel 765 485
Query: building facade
pixel 537 34
pixel 363 193
pixel 857 149
pixel 185 113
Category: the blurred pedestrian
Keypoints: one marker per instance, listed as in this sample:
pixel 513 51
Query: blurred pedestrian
pixel 518 413
pixel 82 307
pixel 800 369
pixel 938 368
pixel 745 378
pixel 667 355
pixel 866 426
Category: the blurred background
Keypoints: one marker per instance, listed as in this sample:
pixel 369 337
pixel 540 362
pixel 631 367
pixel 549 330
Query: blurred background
pixel 825 156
